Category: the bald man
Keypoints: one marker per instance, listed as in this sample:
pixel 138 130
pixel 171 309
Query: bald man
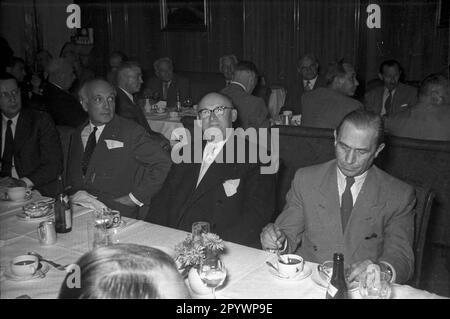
pixel 235 198
pixel 113 158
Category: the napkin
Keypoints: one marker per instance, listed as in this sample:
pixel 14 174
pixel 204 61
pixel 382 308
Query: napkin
pixel 230 186
pixel 110 144
pixel 87 200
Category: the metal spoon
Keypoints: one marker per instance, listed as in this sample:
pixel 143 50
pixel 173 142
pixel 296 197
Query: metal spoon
pixel 56 265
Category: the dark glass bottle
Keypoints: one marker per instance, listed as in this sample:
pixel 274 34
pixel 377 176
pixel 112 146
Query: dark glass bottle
pixel 337 289
pixel 63 211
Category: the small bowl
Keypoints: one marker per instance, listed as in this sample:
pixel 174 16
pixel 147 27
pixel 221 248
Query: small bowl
pixel 24 265
pixel 173 114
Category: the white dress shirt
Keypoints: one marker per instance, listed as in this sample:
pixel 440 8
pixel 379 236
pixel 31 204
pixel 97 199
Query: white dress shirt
pixel 240 84
pixel 84 137
pixel 209 155
pixel 356 187
pixel 127 94
pixel 311 82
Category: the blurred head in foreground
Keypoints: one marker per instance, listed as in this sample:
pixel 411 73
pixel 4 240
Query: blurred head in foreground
pixel 126 271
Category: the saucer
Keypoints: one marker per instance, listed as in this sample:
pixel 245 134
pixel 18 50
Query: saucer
pixel 40 273
pixel 22 216
pixel 319 281
pixel 298 276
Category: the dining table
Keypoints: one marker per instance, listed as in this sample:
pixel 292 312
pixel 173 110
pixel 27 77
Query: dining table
pixel 248 276
pixel 166 122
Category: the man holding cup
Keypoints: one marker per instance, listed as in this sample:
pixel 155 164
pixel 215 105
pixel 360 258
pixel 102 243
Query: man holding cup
pixel 349 205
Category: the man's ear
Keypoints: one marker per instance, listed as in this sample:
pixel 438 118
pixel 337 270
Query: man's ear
pixel 436 97
pixel 379 149
pixel 233 115
pixel 335 137
pixel 83 105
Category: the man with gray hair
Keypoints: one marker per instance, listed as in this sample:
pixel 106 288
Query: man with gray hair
pixel 429 119
pixel 129 80
pixel 326 107
pixel 166 85
pixel 111 157
pixel 252 110
pixel 62 106
pixel 227 64
pixel 309 79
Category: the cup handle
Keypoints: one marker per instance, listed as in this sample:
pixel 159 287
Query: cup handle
pixel 28 192
pixel 320 268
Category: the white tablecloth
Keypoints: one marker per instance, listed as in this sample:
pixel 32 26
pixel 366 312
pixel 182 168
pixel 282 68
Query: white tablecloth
pixel 248 276
pixel 164 124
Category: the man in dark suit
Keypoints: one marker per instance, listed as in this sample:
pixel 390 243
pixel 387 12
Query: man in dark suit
pixel 30 146
pixel 429 119
pixel 129 78
pixel 227 64
pixel 234 197
pixel 64 108
pixel 166 85
pixel 348 205
pixel 393 96
pixel 252 110
pixel 113 158
pixel 310 79
pixel 326 107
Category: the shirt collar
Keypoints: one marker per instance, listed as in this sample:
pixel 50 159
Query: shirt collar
pixel 14 119
pixel 240 84
pixel 312 81
pixel 130 96
pixel 342 178
pixel 386 91
pixel 99 127
pixel 56 85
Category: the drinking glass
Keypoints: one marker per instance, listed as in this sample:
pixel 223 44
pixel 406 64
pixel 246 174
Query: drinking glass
pixel 369 288
pixel 99 229
pixel 212 272
pixel 199 228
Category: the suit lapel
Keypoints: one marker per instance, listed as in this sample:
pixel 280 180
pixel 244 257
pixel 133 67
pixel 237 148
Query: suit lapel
pixel 328 205
pixel 22 130
pixel 365 211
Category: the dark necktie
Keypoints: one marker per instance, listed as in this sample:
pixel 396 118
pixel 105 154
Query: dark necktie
pixel 308 85
pixel 90 147
pixel 388 103
pixel 165 89
pixel 347 202
pixel 8 151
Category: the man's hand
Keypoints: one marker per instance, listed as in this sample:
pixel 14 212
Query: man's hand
pixel 358 268
pixel 272 237
pixel 125 200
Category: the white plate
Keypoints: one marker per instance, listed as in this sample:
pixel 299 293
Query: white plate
pixel 40 273
pixel 299 276
pixel 322 283
pixel 22 216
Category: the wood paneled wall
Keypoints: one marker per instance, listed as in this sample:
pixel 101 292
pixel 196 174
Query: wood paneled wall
pixel 274 34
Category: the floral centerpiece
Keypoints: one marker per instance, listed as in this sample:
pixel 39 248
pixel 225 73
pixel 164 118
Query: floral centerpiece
pixel 192 250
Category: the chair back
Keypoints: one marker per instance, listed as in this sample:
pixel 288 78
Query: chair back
pixel 425 197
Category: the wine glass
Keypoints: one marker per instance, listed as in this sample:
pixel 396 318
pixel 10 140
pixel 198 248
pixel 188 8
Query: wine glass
pixel 371 288
pixel 212 272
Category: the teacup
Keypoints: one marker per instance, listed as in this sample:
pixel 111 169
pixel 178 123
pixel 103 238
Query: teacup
pixel 326 270
pixel 290 264
pixel 173 114
pixel 18 193
pixel 24 265
pixel 160 109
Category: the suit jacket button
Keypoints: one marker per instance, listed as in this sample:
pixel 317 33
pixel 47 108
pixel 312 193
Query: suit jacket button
pixel 315 248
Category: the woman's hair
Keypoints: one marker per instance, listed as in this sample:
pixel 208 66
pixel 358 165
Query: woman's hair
pixel 126 271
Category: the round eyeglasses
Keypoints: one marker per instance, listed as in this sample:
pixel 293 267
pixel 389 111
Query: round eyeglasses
pixel 218 111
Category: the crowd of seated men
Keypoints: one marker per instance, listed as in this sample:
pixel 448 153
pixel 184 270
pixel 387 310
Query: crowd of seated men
pixel 116 157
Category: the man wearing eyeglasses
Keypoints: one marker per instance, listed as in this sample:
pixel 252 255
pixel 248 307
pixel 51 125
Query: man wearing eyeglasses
pixel 31 154
pixel 234 197
pixel 111 157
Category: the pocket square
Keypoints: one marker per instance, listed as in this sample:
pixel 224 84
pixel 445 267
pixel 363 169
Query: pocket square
pixel 110 144
pixel 404 105
pixel 230 186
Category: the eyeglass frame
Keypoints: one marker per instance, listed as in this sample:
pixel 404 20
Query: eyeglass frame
pixel 220 108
